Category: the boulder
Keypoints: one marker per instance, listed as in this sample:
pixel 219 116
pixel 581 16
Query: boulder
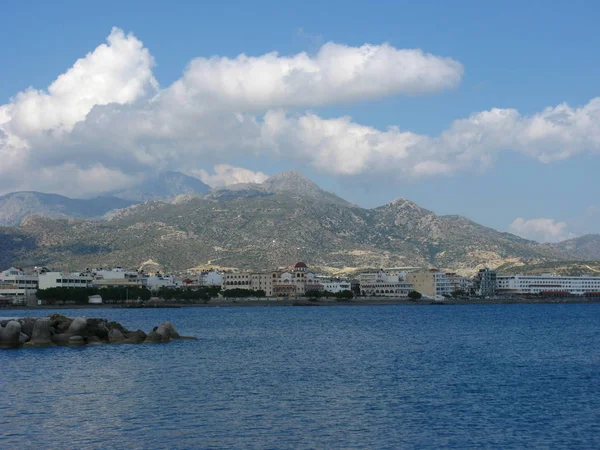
pixel 23 338
pixel 154 337
pixel 97 328
pixel 116 325
pixel 10 334
pixel 41 333
pixel 77 326
pixel 60 323
pixel 115 335
pixel 77 340
pixel 135 337
pixel 60 330
pixel 94 340
pixel 60 339
pixel 167 331
pixel 27 325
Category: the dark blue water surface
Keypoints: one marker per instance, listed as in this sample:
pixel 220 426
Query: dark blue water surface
pixel 495 376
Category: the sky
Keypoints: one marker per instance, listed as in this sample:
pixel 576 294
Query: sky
pixel 489 110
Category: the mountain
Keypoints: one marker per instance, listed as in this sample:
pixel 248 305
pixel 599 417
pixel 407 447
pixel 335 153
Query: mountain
pixel 163 186
pixel 263 231
pixel 287 218
pixel 562 268
pixel 16 206
pixel 291 182
pixel 586 247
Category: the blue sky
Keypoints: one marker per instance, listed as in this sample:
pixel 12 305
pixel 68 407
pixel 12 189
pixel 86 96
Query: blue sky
pixel 523 56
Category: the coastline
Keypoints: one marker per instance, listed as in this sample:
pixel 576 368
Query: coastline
pixel 232 303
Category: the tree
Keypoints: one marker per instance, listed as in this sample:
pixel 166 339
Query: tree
pixel 414 295
pixel 459 293
pixel 345 295
pixel 313 294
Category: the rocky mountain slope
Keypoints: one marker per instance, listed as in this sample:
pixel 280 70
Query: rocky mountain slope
pixel 291 182
pixel 16 206
pixel 278 228
pixel 562 268
pixel 587 247
pixel 163 186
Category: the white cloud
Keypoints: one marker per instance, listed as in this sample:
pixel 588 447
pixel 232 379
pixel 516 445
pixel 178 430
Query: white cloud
pixel 106 116
pixel 225 175
pixel 117 72
pixel 337 73
pixel 35 122
pixel 344 147
pixel 541 230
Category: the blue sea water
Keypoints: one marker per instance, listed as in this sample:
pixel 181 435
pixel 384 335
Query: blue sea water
pixel 473 376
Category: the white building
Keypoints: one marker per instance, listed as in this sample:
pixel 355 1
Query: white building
pixel 49 280
pixel 383 284
pixel 17 285
pixel 118 277
pixel 210 278
pixel 547 283
pixel 336 286
pixel 155 282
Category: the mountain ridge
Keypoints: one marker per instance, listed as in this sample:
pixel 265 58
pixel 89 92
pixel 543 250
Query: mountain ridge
pixel 280 226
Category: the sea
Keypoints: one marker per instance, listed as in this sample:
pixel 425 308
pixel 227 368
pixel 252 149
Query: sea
pixel 327 377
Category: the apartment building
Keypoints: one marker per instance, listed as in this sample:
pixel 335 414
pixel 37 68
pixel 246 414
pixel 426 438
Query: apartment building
pixel 484 283
pixel 430 282
pixel 384 284
pixel 49 280
pixel 17 285
pixel 118 277
pixel 547 284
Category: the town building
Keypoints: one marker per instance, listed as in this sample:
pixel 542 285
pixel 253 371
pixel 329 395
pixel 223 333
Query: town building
pixel 210 278
pixel 431 283
pixel 155 282
pixel 236 280
pixel 16 285
pixel 383 284
pixel 336 286
pixel 49 280
pixel 458 282
pixel 265 281
pixel 548 284
pixel 117 277
pixel 275 283
pixel 484 283
pixel 293 283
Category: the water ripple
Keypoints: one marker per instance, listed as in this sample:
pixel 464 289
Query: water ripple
pixel 497 376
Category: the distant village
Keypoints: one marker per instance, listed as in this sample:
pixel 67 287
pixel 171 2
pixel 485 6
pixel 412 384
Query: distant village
pixel 40 286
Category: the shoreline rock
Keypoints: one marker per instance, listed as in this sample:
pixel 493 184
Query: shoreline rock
pixel 60 330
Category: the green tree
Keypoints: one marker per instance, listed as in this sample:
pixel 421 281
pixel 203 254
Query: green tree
pixel 414 295
pixel 459 293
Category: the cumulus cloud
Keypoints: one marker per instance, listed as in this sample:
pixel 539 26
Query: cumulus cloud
pixel 107 114
pixel 224 175
pixel 342 146
pixel 337 73
pixel 107 117
pixel 541 230
pixel 35 122
pixel 119 71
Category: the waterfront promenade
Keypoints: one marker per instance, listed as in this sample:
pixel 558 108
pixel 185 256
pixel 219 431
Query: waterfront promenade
pixel 360 301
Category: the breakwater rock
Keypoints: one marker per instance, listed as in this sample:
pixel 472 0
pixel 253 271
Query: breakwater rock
pixel 60 330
